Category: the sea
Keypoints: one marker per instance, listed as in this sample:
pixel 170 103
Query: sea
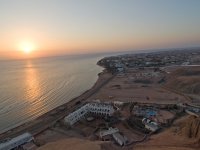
pixel 32 87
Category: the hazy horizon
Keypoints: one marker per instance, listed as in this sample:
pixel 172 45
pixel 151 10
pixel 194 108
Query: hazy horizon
pixel 51 28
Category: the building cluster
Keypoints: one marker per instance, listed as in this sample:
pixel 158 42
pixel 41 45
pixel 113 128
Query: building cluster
pixel 149 117
pixel 153 117
pixel 146 75
pixel 113 64
pixel 154 59
pixel 100 109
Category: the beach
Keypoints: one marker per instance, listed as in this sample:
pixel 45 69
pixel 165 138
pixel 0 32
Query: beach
pixel 48 119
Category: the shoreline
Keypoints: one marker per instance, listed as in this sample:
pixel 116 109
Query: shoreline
pixel 48 119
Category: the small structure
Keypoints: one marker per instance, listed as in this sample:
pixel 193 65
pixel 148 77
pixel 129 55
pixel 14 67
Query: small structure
pixel 100 109
pixel 150 125
pixel 192 112
pixel 121 140
pixel 17 141
pixel 110 131
pixel 114 134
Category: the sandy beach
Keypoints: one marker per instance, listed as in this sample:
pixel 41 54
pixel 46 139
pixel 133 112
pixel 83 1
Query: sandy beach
pixel 48 119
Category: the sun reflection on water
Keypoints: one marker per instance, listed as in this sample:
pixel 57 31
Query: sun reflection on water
pixel 33 89
pixel 32 82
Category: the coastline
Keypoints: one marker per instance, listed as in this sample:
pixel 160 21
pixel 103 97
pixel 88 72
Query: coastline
pixel 48 119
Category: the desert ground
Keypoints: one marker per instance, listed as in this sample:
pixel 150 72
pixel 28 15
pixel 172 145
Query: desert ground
pixel 125 88
pixel 178 137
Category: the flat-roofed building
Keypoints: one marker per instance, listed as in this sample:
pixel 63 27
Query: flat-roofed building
pixel 152 127
pixel 76 115
pixel 17 141
pixel 120 139
pixel 110 131
pixel 100 109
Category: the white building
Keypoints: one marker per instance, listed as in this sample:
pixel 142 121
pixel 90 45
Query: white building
pixel 76 115
pixel 101 109
pixel 16 142
pixel 120 139
pixel 150 125
pixel 114 132
pixel 110 131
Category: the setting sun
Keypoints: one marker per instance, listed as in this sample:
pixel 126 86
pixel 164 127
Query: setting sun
pixel 27 47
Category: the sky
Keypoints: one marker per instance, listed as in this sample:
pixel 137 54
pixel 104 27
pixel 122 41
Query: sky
pixel 55 27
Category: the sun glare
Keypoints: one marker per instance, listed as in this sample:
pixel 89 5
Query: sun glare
pixel 27 47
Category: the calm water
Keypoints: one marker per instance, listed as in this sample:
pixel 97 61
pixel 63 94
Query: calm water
pixel 29 88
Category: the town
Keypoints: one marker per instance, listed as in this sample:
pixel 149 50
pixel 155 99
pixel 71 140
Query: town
pixel 155 59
